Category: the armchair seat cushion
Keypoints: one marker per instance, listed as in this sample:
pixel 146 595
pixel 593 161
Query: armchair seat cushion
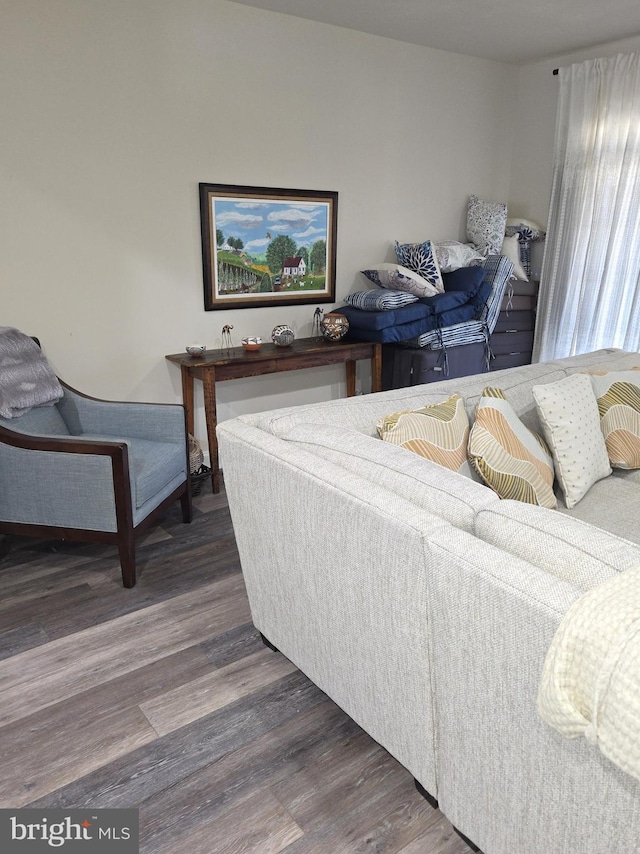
pixel 152 465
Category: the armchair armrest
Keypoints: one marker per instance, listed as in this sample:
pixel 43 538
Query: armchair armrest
pixel 73 484
pixel 61 444
pixel 160 422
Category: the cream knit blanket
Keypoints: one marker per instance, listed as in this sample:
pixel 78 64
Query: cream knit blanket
pixel 591 678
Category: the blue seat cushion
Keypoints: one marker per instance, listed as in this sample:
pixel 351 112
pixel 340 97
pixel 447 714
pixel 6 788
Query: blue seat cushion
pixel 479 300
pixel 152 465
pixel 457 315
pixel 441 303
pixel 456 306
pixel 360 319
pixel 393 334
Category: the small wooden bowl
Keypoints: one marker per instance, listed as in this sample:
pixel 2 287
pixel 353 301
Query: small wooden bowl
pixel 195 350
pixel 252 343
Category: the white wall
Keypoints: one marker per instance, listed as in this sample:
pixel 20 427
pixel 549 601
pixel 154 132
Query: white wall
pixel 112 112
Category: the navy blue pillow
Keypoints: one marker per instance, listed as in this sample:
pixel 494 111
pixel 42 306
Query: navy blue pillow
pixel 463 279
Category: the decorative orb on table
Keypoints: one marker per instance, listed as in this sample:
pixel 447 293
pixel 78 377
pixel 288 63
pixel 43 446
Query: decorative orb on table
pixel 283 335
pixel 334 326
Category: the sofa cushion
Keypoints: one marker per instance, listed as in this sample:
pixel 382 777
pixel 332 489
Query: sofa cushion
pixel 566 547
pixel 429 486
pixel 618 396
pixel 511 459
pixel 571 424
pixel 438 432
pixel 611 504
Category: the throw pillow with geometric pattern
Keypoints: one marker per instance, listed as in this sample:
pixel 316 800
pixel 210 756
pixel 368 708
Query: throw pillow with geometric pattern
pixel 438 432
pixel 618 396
pixel 515 462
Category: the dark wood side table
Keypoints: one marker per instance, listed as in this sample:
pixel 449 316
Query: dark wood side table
pixel 235 363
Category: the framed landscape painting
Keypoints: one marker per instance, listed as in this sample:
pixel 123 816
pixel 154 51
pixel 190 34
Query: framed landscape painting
pixel 263 246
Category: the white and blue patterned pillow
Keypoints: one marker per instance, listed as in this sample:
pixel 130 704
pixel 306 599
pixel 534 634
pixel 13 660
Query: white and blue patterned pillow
pixel 486 223
pixel 527 228
pixel 395 277
pixel 528 232
pixel 421 258
pixel 379 300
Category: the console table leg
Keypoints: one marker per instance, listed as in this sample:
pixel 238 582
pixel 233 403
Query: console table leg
pixel 376 368
pixel 187 396
pixel 209 392
pixel 350 370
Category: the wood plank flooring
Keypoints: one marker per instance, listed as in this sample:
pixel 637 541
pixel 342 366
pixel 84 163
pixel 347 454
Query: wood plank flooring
pixel 164 698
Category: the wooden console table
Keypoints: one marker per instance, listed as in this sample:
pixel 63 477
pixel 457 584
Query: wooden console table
pixel 236 363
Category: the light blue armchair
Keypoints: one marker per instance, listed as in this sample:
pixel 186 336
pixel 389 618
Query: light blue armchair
pixel 93 470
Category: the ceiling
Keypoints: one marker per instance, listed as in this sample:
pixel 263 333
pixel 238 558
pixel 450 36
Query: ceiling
pixel 514 31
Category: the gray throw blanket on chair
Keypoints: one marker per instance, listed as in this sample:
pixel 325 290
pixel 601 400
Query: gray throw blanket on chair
pixel 26 377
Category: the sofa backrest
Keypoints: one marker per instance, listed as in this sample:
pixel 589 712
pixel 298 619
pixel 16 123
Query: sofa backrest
pixel 427 485
pixel 361 413
pixel 573 550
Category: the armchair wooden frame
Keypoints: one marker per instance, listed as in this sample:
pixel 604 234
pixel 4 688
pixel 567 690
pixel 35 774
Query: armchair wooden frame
pixel 125 535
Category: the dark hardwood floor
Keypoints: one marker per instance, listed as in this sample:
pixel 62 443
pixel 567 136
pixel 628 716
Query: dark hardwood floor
pixel 164 698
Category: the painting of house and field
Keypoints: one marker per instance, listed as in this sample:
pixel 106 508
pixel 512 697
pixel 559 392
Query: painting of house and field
pixel 267 247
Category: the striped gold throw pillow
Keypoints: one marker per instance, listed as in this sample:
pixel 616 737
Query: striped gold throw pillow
pixel 438 432
pixel 618 395
pixel 510 458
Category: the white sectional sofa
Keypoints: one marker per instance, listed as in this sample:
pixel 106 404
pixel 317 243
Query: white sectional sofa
pixel 424 605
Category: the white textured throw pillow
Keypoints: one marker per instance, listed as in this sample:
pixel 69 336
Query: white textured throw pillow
pixel 570 421
pixel 452 254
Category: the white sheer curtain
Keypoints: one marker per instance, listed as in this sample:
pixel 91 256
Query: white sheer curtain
pixel 590 281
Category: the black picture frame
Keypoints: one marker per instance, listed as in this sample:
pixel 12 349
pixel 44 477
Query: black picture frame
pixel 265 246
